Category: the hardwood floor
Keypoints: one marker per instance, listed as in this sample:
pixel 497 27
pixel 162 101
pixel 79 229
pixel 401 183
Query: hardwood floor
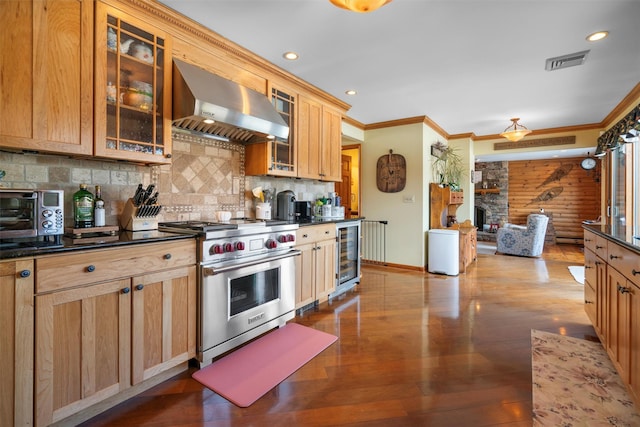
pixel 414 349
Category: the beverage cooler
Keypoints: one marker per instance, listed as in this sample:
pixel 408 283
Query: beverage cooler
pixel 348 237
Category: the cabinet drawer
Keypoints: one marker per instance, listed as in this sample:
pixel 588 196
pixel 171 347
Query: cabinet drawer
pixel 64 271
pixel 590 306
pixel 601 247
pixel 590 241
pixel 315 233
pixel 590 269
pixel 625 261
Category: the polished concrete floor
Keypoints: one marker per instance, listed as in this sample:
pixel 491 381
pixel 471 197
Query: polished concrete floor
pixel 414 349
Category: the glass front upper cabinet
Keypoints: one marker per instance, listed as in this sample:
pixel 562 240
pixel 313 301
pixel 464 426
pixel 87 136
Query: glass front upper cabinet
pixel 282 150
pixel 132 89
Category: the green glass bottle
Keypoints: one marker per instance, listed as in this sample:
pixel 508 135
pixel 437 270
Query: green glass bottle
pixel 83 208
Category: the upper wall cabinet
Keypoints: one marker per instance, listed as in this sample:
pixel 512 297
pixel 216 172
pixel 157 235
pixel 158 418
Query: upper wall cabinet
pixel 132 89
pixel 319 141
pixel 47 75
pixel 276 157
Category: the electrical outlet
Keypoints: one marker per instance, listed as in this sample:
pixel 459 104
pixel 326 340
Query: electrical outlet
pixel 409 199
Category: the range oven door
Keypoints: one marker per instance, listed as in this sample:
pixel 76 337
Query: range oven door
pixel 235 300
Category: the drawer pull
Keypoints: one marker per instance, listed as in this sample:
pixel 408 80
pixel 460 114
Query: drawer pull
pixel 167 256
pixel 588 302
pixel 634 272
pixel 304 236
pixel 327 232
pixel 139 287
pixel 126 290
pixel 624 290
pixel 598 262
pixel 91 268
pixel 614 257
pixel 587 266
pixel 25 273
pixel 599 247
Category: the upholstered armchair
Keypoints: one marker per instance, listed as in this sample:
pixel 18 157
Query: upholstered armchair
pixel 523 240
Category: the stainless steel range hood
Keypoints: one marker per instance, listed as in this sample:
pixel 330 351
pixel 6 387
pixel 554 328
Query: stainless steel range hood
pixel 206 103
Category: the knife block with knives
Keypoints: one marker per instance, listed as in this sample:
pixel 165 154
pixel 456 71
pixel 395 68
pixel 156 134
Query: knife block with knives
pixel 141 217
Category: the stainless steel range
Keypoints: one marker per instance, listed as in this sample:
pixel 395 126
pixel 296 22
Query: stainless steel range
pixel 246 280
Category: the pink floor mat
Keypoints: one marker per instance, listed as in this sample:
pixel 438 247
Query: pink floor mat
pixel 245 375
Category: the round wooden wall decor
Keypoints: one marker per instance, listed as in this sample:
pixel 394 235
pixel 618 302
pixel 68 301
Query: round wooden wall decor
pixel 391 173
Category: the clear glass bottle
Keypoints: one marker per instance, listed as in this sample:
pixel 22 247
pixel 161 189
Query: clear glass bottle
pixel 83 208
pixel 99 212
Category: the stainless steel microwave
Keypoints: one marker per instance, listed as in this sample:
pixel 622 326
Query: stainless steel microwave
pixel 31 213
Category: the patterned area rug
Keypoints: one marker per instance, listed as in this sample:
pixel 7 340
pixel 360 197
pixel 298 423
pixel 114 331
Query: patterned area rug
pixel 575 384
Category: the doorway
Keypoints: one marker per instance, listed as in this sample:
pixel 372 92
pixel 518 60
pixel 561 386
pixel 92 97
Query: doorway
pixel 349 188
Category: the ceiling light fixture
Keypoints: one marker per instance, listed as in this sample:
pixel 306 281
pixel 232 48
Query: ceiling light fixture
pixel 361 6
pixel 350 92
pixel 291 56
pixel 598 35
pixel 516 131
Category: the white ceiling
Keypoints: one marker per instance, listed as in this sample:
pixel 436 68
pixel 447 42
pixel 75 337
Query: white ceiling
pixel 469 65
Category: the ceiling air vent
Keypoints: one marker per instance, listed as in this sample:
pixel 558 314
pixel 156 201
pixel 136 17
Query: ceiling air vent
pixel 566 61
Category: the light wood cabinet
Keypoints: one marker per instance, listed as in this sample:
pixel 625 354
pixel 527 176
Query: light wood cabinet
pixel 98 338
pixel 319 141
pixel 468 240
pixel 617 294
pixel 132 88
pixel 278 156
pixel 331 149
pixel 316 266
pixel 16 342
pixel 309 138
pixel 47 76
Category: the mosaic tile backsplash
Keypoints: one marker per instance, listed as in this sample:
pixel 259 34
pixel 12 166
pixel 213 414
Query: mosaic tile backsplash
pixel 206 175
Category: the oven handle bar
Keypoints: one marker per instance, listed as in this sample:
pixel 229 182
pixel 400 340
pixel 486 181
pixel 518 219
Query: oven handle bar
pixel 210 271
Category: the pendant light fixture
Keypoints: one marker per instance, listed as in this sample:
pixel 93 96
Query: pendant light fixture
pixel 361 6
pixel 516 131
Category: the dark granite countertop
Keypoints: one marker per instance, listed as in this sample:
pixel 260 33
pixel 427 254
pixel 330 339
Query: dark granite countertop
pixel 69 244
pixel 616 234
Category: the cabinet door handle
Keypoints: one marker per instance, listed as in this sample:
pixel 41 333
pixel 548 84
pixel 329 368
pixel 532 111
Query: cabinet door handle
pixel 587 240
pixel 167 256
pixel 624 290
pixel 304 236
pixel 91 268
pixel 634 272
pixel 588 302
pixel 614 257
pixel 587 266
pixel 599 247
pixel 139 287
pixel 25 273
pixel 126 290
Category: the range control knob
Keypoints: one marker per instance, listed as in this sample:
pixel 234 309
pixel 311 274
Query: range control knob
pixel 228 247
pixel 291 238
pixel 282 238
pixel 239 246
pixel 272 244
pixel 216 250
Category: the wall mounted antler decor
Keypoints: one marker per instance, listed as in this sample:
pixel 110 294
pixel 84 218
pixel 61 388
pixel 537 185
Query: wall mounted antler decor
pixel 391 173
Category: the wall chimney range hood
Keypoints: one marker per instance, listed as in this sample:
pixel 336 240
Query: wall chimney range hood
pixel 209 104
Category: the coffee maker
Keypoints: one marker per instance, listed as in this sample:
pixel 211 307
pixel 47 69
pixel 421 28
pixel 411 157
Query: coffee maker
pixel 286 206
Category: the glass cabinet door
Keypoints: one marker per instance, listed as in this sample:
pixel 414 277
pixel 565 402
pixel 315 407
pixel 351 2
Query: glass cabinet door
pixel 132 72
pixel 282 150
pixel 619 191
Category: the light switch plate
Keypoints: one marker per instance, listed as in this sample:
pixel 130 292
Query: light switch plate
pixel 409 199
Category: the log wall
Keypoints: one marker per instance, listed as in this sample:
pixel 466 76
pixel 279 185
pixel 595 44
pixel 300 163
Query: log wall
pixel 560 187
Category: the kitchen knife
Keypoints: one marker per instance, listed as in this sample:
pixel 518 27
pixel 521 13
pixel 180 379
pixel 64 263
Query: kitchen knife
pixel 148 192
pixel 137 197
pixel 153 200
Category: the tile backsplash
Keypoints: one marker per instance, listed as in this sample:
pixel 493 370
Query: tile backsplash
pixel 206 175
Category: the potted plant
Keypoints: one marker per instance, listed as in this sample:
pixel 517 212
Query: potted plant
pixel 447 166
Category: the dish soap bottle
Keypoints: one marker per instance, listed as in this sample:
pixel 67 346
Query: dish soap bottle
pixel 83 208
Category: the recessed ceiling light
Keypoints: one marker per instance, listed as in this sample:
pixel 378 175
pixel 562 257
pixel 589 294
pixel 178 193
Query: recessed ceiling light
pixel 291 56
pixel 599 35
pixel 351 92
pixel 208 121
